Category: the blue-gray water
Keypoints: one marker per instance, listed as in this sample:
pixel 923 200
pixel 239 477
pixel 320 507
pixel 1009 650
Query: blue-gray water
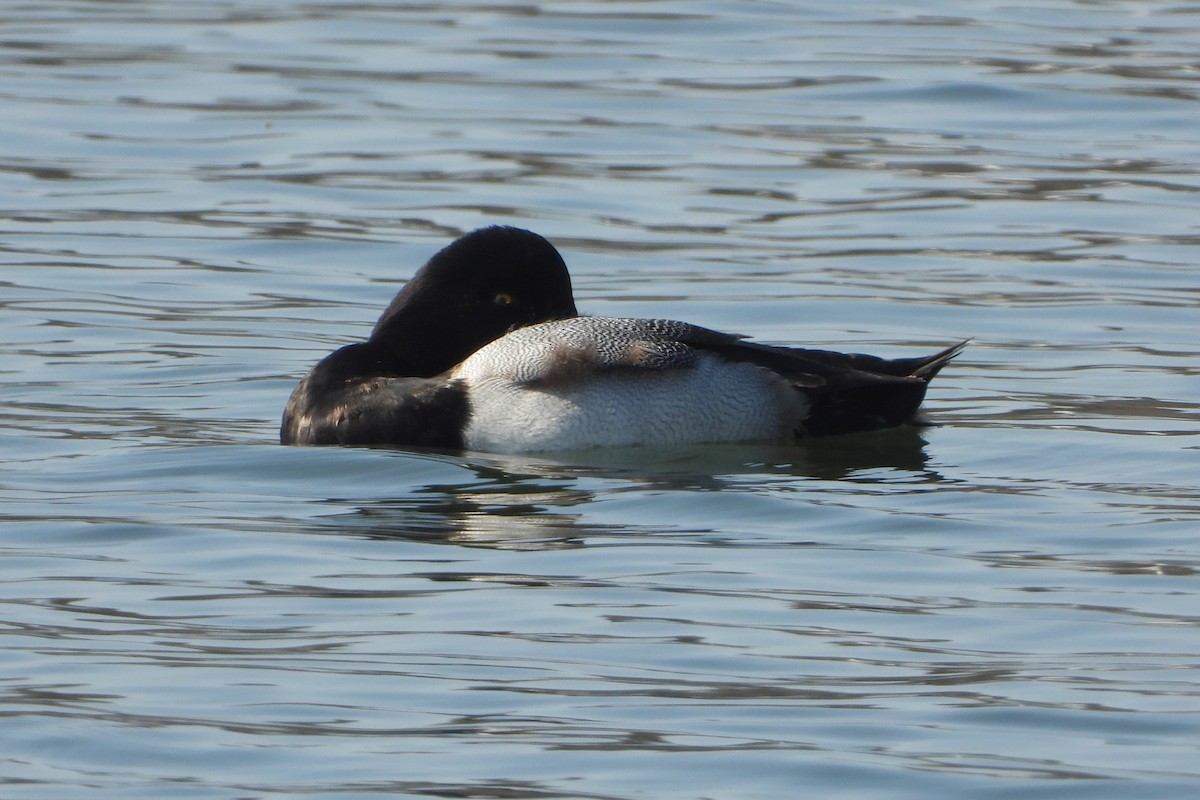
pixel 198 200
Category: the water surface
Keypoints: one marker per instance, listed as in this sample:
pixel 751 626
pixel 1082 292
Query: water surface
pixel 201 199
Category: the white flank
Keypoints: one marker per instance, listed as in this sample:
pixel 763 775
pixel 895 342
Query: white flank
pixel 576 397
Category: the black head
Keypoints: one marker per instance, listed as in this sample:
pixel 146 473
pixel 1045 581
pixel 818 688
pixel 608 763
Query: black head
pixel 473 291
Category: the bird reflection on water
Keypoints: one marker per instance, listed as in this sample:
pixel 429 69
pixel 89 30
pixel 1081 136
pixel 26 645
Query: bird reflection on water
pixel 521 503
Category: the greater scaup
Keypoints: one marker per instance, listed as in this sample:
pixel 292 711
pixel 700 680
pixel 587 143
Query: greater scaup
pixel 483 350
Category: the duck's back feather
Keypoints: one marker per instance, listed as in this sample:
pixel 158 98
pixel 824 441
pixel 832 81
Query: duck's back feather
pixel 570 349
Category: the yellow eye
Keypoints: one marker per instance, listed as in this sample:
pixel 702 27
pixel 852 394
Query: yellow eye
pixel 503 299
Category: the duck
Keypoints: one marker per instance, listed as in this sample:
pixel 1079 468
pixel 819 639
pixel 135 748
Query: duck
pixel 484 350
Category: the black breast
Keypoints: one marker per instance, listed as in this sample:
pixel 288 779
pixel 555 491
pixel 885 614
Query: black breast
pixel 341 402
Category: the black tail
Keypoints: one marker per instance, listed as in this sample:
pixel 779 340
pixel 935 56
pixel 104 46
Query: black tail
pixel 849 392
pixel 925 367
pixel 875 393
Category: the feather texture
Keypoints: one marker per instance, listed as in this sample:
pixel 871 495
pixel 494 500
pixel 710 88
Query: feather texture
pixel 597 381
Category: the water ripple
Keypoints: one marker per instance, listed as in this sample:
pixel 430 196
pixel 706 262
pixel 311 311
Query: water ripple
pixel 204 198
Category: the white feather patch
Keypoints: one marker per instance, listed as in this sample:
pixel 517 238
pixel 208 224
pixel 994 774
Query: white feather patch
pixel 593 382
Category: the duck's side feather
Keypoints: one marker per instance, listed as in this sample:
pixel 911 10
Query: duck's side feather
pixel 710 400
pixel 597 381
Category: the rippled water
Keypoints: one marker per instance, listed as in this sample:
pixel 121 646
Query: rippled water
pixel 201 199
